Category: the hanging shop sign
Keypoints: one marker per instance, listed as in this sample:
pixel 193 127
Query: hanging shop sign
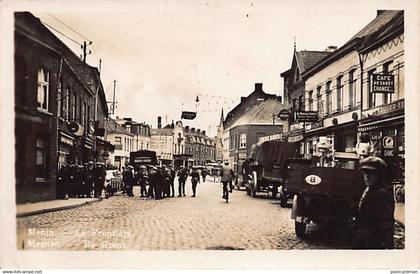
pixel 189 115
pixel 76 128
pixel 293 139
pixel 388 142
pixel 307 116
pixel 382 83
pixel 284 115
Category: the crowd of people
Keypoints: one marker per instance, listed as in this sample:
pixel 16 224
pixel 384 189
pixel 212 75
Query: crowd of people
pixel 80 181
pixel 159 181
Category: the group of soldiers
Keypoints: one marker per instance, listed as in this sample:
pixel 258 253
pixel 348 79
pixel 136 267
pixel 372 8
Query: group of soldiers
pixel 159 181
pixel 79 181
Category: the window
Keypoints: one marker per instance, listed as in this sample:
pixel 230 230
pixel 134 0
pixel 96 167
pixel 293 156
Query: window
pixel 319 102
pixel 66 103
pixel 43 89
pixel 41 158
pixel 301 103
pixel 329 101
pixel 242 138
pixel 371 96
pixel 352 89
pixel 387 97
pixel 73 106
pixel 310 101
pixel 339 93
pixel 83 117
pixel 60 99
pixel 117 140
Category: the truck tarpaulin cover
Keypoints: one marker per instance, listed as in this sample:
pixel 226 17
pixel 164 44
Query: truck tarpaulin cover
pixel 276 152
pixel 143 157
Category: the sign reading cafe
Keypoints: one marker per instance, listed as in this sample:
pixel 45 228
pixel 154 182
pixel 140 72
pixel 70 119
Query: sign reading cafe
pixel 382 83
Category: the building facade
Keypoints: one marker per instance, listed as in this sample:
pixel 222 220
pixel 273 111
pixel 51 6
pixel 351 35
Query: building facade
pixel 123 142
pixel 55 109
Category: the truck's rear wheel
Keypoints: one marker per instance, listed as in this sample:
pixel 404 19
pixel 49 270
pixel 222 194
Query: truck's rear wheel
pixel 254 184
pixel 300 229
pixel 274 192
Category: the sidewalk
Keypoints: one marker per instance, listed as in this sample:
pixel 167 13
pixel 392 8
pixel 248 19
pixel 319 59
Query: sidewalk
pixel 399 213
pixel 54 205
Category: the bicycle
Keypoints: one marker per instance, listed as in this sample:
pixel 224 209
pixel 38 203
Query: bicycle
pixel 225 191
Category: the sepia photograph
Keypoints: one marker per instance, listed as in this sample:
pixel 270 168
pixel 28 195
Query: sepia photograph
pixel 215 126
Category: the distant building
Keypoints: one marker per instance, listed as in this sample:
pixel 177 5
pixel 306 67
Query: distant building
pixel 218 141
pixel 123 142
pixel 257 97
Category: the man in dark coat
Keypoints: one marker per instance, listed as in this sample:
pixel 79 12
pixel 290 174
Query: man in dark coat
pixel 152 189
pixel 158 183
pixel 141 178
pixel 375 221
pixel 72 184
pixel 129 180
pixel 172 180
pixel 182 178
pixel 62 182
pixel 99 178
pixel 195 179
pixel 90 179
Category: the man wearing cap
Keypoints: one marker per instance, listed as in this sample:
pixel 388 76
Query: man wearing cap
pixel 99 177
pixel 375 221
pixel 128 178
pixel 195 179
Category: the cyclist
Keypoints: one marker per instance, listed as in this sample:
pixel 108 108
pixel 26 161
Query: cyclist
pixel 227 176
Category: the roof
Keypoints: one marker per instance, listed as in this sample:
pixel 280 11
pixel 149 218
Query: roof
pixel 113 127
pixel 383 23
pixel 161 131
pixel 306 58
pixel 378 23
pixel 261 114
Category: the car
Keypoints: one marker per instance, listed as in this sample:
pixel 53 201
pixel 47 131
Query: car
pixel 113 182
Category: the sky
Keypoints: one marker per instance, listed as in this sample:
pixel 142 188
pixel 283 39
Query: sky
pixel 163 54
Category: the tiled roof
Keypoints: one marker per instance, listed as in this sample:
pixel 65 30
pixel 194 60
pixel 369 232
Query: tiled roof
pixel 307 59
pixel 376 24
pixel 113 127
pixel 161 131
pixel 261 113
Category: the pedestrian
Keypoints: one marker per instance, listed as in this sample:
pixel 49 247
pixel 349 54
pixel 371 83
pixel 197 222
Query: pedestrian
pixel 141 178
pixel 375 220
pixel 72 184
pixel 152 189
pixel 204 174
pixel 99 179
pixel 172 181
pixel 158 183
pixel 182 178
pixel 129 180
pixel 195 179
pixel 227 176
pixel 62 182
pixel 90 179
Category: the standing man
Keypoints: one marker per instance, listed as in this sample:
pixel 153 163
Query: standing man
pixel 62 182
pixel 204 174
pixel 128 178
pixel 195 179
pixel 182 178
pixel 99 178
pixel 141 177
pixel 158 183
pixel 152 189
pixel 172 180
pixel 90 179
pixel 375 221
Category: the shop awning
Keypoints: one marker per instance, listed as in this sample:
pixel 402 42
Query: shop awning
pixel 393 121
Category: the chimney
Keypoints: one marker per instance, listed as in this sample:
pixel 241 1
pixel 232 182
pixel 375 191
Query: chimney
pixel 379 12
pixel 243 99
pixel 159 124
pixel 331 49
pixel 258 86
pixel 204 132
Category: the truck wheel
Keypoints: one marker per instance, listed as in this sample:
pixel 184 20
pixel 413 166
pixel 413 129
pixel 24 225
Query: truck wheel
pixel 254 184
pixel 300 229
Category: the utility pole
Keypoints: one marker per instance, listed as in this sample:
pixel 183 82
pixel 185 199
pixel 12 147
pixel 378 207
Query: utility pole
pixel 113 98
pixel 100 66
pixel 84 47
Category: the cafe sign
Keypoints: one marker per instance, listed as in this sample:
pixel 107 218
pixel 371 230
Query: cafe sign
pixel 382 83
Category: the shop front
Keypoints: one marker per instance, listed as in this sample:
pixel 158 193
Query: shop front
pixel 385 126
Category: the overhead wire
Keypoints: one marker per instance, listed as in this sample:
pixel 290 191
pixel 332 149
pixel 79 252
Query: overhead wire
pixel 71 39
pixel 70 28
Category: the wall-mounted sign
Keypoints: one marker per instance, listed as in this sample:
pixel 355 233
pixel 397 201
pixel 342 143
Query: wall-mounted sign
pixel 388 142
pixel 306 116
pixel 296 138
pixel 382 83
pixel 76 128
pixel 189 115
pixel 313 180
pixel 394 106
pixel 284 115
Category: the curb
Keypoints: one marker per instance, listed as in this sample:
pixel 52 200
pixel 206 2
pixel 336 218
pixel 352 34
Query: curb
pixel 46 210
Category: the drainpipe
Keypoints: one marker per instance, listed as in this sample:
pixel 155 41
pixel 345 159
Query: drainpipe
pixel 361 89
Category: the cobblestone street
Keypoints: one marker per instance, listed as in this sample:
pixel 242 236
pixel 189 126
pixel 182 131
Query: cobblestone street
pixel 180 223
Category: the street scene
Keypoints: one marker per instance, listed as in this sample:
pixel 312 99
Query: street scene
pixel 153 135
